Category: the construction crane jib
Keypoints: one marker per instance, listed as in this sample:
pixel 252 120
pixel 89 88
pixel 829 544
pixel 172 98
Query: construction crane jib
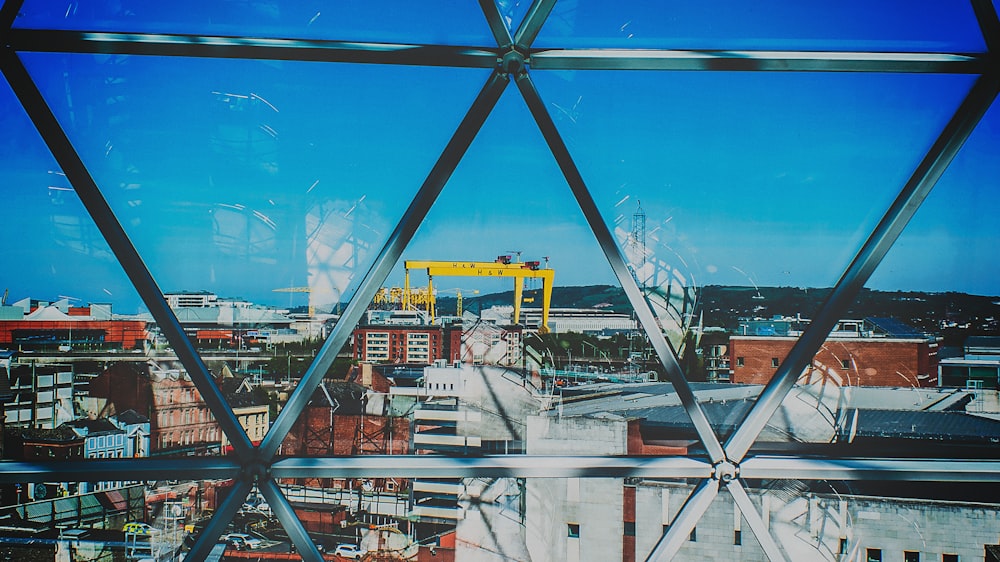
pixel 502 267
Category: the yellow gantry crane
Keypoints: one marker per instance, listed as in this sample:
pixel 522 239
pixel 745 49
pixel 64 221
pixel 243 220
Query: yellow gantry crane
pixel 502 267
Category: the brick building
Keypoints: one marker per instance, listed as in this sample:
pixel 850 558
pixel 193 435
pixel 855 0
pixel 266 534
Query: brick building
pixel 180 422
pixel 873 352
pixel 382 343
pixel 341 419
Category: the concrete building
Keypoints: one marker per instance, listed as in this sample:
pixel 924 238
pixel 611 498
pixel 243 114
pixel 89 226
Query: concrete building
pixel 583 320
pixel 485 343
pixel 622 519
pixel 870 352
pixel 978 366
pixel 41 395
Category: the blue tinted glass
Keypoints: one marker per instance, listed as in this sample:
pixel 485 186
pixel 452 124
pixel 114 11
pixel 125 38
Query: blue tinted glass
pixel 951 243
pixel 885 25
pixel 455 23
pixel 737 184
pixel 255 175
pixel 59 250
pixel 513 12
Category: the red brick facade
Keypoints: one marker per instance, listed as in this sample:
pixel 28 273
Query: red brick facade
pixel 119 334
pixel 398 344
pixel 846 361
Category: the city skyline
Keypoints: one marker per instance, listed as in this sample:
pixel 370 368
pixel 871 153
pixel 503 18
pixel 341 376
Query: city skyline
pixel 258 175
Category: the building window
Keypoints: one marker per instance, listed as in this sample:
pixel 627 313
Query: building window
pixel 739 362
pixel 873 555
pixel 629 530
pixel 845 363
pixel 949 558
pixel 843 546
pixel 910 556
pixel 693 537
pixel 775 362
pixel 737 537
pixel 573 530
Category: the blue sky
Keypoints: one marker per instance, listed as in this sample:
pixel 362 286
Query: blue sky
pixel 244 176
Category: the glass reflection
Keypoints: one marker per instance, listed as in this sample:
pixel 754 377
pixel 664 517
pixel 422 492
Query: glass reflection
pixel 262 189
pixel 383 21
pixel 887 26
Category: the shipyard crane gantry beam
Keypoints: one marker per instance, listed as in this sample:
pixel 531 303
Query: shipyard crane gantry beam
pixel 502 267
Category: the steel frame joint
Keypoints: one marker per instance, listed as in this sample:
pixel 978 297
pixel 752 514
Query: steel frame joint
pixel 725 471
pixel 512 64
pixel 256 471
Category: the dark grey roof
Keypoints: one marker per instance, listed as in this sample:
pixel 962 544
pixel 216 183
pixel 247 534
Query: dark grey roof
pixel 93 427
pixel 983 341
pixel 131 417
pixel 937 426
pixel 894 328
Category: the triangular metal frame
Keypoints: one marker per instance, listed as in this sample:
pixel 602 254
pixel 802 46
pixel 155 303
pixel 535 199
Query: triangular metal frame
pixel 513 57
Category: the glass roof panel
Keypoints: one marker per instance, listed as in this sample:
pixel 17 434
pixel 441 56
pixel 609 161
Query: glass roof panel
pixel 59 241
pixel 886 25
pixel 256 176
pixel 956 225
pixel 738 186
pixel 513 12
pixel 382 21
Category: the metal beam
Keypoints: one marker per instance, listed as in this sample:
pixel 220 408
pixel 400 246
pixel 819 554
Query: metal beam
pixel 497 26
pixel 180 468
pixel 220 520
pixel 213 46
pixel 8 13
pixel 685 521
pixel 386 259
pixel 106 221
pixel 297 533
pixel 774 61
pixel 520 466
pixel 668 358
pixel 921 470
pixel 989 25
pixel 771 548
pixel 532 23
pixel 916 190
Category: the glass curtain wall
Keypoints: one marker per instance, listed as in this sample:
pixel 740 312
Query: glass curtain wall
pixel 560 280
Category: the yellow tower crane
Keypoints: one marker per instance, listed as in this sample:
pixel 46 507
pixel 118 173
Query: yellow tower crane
pixel 297 290
pixel 458 298
pixel 502 267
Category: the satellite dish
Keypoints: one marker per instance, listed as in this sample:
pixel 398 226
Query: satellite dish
pixel 176 510
pixel 41 492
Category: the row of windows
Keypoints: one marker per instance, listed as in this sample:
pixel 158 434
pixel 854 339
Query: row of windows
pixel 775 362
pixel 102 441
pixel 182 395
pixel 875 555
pixel 187 437
pixel 183 416
pixel 116 454
pixel 871 554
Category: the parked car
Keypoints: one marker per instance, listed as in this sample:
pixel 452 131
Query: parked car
pixel 348 551
pixel 242 541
